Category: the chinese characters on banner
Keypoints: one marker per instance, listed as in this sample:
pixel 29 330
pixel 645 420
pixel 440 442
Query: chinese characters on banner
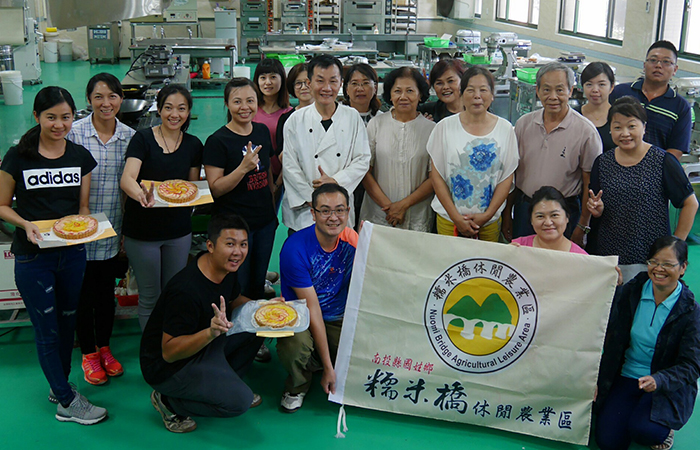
pixel 476 332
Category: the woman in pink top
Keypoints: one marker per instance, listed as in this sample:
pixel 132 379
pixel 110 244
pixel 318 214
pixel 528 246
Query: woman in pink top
pixel 549 215
pixel 273 101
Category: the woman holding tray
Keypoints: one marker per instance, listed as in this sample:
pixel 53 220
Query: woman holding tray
pixel 157 240
pixel 50 178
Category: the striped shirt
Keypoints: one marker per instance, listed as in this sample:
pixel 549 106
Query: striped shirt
pixel 668 117
pixel 105 194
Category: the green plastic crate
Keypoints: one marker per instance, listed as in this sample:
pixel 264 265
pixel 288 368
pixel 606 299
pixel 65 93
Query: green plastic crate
pixel 476 59
pixel 528 74
pixel 287 60
pixel 435 42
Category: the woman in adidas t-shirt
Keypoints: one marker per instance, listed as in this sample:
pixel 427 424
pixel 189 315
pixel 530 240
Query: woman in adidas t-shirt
pixel 50 178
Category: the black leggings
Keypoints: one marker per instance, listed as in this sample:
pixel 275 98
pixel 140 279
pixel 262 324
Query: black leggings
pixel 96 308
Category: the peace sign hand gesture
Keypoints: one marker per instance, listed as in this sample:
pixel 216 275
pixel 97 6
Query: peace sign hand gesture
pixel 146 197
pixel 595 203
pixel 219 323
pixel 251 160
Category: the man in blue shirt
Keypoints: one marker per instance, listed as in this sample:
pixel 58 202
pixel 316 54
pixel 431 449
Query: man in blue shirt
pixel 669 114
pixel 316 264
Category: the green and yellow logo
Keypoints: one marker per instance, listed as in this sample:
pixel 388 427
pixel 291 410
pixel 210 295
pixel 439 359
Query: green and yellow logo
pixel 480 315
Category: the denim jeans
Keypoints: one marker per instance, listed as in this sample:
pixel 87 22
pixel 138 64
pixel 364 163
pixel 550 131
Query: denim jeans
pixel 251 274
pixel 50 284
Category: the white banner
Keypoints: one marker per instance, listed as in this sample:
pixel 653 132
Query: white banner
pixel 477 332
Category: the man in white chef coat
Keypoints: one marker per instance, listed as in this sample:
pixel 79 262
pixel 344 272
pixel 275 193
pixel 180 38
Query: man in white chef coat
pixel 323 143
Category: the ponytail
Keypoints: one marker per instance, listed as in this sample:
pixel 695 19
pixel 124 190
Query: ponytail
pixel 29 143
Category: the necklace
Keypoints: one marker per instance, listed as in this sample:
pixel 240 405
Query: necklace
pixel 165 141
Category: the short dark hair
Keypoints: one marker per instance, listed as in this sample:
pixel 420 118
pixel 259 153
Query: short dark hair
pixel 236 83
pixel 324 61
pixel 269 65
pixel 172 89
pixel 628 106
pixel 220 222
pixel 474 71
pixel 369 72
pixel 293 75
pixel 596 68
pixel 329 188
pixel 679 246
pixel 548 193
pixel 46 98
pixel 110 80
pixel 443 66
pixel 664 44
pixel 406 72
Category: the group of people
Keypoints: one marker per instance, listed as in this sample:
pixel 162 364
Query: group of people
pixel 596 181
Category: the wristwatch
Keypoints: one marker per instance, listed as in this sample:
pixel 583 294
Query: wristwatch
pixel 586 229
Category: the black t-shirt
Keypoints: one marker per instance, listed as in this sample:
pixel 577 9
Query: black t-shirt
pixel 46 188
pixel 251 198
pixel 155 224
pixel 436 109
pixel 184 308
pixel 279 137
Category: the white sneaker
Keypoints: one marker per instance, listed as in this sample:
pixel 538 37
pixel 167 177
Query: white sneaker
pixel 292 402
pixel 81 411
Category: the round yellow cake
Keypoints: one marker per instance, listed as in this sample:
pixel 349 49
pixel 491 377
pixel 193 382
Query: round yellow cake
pixel 177 191
pixel 276 315
pixel 75 227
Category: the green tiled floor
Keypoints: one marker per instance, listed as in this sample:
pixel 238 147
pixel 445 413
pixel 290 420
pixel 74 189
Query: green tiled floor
pixel 26 417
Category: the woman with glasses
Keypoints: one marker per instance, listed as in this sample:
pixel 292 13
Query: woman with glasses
pixel 360 90
pixel 630 190
pixel 651 359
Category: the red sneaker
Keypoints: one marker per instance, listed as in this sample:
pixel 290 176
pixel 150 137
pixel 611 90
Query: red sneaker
pixel 110 363
pixel 94 373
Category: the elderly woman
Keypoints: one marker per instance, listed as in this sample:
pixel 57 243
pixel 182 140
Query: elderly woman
pixel 397 183
pixel 445 77
pixel 598 81
pixel 630 190
pixel 549 215
pixel 651 359
pixel 474 155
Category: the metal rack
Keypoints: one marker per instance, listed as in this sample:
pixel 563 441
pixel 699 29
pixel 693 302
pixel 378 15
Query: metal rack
pixel 404 16
pixel 254 24
pixel 326 17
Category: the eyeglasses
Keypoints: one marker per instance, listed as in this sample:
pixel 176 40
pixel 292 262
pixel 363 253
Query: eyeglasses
pixel 326 212
pixel 301 84
pixel 663 62
pixel 364 84
pixel 652 263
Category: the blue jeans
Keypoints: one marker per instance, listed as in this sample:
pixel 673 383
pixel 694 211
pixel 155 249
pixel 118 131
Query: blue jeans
pixel 50 284
pixel 251 274
pixel 626 417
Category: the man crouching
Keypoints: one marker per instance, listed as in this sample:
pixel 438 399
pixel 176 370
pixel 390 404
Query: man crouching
pixel 186 357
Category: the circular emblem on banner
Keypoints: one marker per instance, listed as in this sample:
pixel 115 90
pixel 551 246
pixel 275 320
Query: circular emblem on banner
pixel 480 315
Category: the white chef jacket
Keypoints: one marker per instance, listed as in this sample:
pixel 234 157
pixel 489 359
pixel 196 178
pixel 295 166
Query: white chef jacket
pixel 342 151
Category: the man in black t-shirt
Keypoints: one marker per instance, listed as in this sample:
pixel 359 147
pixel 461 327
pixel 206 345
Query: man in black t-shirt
pixel 193 367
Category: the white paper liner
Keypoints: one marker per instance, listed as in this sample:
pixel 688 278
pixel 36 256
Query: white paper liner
pixel 243 318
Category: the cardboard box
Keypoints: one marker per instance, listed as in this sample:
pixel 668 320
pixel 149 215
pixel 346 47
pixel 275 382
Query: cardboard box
pixel 9 295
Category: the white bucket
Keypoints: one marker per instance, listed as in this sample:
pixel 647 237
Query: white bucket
pixel 51 52
pixel 241 71
pixel 12 86
pixel 65 49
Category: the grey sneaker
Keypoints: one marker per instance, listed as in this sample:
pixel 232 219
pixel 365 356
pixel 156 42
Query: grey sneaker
pixel 53 399
pixel 263 354
pixel 173 422
pixel 292 402
pixel 257 400
pixel 81 411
